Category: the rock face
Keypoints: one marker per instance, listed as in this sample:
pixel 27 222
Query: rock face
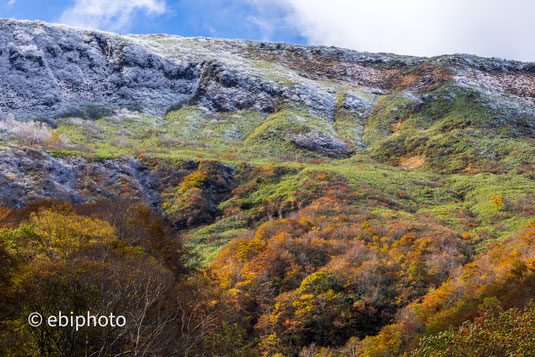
pixel 322 143
pixel 28 175
pixel 49 71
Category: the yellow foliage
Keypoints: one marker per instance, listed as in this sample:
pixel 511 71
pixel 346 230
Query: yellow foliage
pixel 196 179
pixel 60 233
pixel 54 141
pixel 386 343
pixel 497 201
pixel 247 249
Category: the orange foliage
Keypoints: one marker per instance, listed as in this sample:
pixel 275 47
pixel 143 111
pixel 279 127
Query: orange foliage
pixel 504 273
pixel 335 266
pixel 5 212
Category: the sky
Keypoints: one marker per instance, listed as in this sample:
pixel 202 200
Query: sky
pixel 491 28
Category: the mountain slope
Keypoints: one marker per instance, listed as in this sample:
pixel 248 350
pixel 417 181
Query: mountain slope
pixel 301 200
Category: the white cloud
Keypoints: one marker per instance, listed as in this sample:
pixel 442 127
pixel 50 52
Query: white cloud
pixel 265 26
pixel 418 27
pixel 11 2
pixel 112 15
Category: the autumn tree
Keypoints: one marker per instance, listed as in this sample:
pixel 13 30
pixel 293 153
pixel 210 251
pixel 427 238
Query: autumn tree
pixel 60 257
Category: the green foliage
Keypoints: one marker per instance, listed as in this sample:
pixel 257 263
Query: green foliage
pixel 208 241
pixel 274 137
pixel 505 333
pixel 454 128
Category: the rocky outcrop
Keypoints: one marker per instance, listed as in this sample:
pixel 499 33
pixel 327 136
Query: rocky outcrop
pixel 28 175
pixel 49 70
pixel 321 143
pixel 227 89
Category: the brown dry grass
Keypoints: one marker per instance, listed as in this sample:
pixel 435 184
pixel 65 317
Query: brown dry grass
pixel 413 162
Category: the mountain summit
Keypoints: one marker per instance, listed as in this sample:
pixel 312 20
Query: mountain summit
pixel 274 96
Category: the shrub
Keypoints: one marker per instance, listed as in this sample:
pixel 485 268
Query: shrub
pixel 508 333
pixel 497 201
pixel 27 133
pixel 196 179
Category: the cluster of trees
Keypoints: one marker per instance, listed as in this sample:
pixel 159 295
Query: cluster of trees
pixel 105 258
pixel 494 333
pixel 485 308
pixel 332 271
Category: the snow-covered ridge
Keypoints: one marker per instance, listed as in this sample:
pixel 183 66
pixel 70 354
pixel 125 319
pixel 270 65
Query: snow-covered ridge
pixel 49 70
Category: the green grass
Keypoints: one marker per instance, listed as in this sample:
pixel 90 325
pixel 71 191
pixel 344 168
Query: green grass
pixel 421 191
pixel 207 241
pixel 274 136
pixel 476 191
pixel 454 128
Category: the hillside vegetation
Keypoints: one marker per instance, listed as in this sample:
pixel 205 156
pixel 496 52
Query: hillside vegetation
pixel 237 198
